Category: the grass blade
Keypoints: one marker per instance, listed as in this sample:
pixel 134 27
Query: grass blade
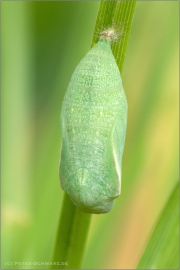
pixel 162 251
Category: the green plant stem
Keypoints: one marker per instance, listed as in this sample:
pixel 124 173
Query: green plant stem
pixel 71 236
pixel 74 224
pixel 120 16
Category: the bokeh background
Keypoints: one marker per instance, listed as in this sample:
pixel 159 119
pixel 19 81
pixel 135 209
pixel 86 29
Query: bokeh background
pixel 42 43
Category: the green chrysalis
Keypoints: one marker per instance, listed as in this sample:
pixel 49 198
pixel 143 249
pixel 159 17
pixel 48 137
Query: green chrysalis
pixel 93 127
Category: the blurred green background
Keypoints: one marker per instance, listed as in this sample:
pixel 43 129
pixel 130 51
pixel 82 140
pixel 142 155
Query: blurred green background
pixel 42 43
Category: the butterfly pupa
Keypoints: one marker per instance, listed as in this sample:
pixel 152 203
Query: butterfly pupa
pixel 93 128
